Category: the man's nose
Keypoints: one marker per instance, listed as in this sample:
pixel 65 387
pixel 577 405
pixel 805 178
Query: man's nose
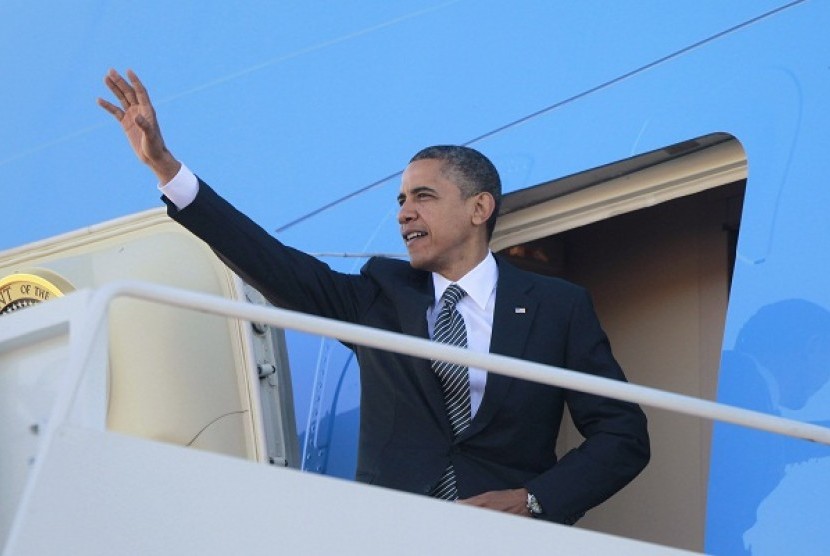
pixel 405 214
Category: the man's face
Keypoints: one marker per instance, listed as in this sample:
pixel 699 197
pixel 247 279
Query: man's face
pixel 442 231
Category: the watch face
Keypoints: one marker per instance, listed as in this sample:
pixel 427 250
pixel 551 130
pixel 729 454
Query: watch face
pixel 19 291
pixel 533 505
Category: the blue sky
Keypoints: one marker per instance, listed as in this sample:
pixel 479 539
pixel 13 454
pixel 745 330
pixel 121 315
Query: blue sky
pixel 286 106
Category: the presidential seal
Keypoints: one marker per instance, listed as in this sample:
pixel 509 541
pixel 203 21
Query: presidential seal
pixel 21 290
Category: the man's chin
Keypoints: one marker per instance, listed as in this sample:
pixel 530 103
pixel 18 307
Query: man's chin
pixel 419 263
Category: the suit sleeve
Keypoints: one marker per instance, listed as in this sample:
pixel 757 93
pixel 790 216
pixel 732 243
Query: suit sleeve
pixel 287 277
pixel 616 445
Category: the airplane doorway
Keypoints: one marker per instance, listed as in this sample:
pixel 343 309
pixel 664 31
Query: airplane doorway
pixel 659 275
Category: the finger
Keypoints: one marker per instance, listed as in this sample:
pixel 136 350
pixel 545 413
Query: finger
pixel 123 90
pixel 140 91
pixel 112 86
pixel 111 108
pixel 112 82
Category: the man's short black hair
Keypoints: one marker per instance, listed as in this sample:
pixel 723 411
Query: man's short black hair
pixel 470 170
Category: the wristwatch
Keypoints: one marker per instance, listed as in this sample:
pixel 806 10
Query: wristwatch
pixel 533 506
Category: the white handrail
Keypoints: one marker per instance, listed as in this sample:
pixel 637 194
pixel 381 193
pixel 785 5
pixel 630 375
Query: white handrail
pixel 419 347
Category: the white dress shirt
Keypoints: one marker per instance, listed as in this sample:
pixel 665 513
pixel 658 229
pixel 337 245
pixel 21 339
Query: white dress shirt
pixel 477 309
pixel 182 189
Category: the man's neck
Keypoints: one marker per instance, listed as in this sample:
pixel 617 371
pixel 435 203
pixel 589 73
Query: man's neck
pixel 459 276
pixel 459 271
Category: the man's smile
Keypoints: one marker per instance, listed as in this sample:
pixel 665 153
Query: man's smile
pixel 409 237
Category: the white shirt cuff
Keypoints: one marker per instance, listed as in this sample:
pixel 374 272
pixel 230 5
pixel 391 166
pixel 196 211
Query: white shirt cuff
pixel 182 189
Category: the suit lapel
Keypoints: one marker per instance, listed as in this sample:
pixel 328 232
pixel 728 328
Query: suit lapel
pixel 413 304
pixel 412 311
pixel 514 312
pixel 513 316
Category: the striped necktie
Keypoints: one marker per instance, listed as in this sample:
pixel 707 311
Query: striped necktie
pixel 454 379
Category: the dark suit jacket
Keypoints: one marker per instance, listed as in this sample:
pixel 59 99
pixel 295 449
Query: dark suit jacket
pixel 405 437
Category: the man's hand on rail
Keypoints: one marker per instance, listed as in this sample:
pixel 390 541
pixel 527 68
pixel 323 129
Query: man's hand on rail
pixel 509 501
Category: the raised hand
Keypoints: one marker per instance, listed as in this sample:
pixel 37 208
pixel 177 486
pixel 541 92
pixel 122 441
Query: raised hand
pixel 138 119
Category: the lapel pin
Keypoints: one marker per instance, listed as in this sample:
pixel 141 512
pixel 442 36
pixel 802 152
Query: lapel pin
pixel 520 310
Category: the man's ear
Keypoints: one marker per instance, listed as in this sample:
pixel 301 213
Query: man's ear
pixel 483 208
